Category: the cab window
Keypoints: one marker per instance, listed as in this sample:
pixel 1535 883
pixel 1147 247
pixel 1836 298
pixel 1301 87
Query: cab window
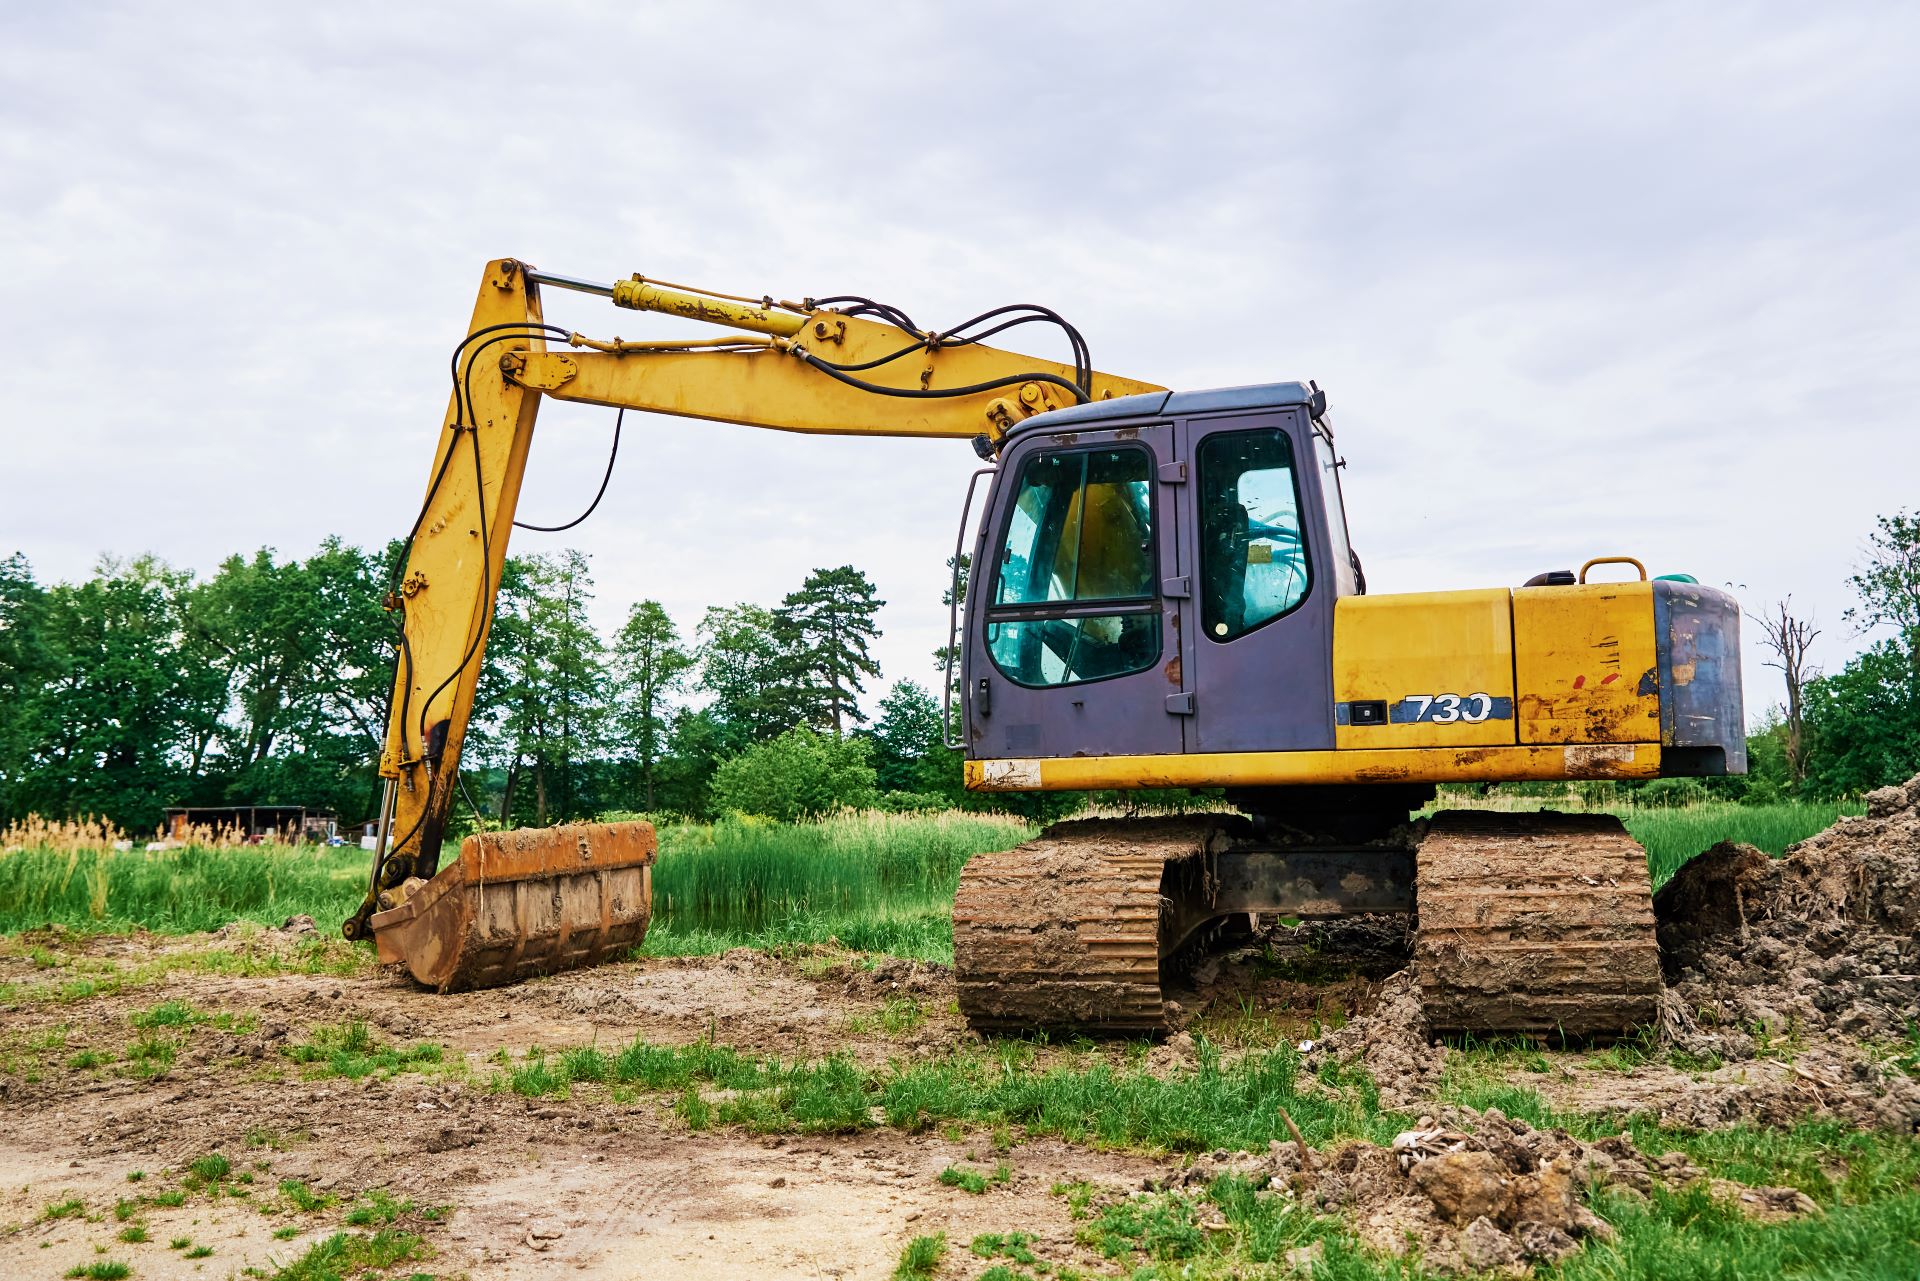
pixel 1080 533
pixel 1253 558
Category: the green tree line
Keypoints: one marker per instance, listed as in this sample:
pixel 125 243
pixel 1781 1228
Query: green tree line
pixel 266 683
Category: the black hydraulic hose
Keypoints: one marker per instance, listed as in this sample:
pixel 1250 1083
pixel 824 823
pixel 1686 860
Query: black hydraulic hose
pixel 611 455
pixel 462 404
pixel 957 337
pixel 916 393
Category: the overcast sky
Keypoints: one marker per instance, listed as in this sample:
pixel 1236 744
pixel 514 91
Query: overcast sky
pixel 1578 279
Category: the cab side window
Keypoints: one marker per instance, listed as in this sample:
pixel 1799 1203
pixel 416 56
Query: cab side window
pixel 1074 595
pixel 1253 557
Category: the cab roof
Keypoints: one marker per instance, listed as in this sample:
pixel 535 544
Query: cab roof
pixel 1161 404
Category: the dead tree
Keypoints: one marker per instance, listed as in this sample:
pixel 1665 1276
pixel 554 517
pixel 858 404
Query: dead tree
pixel 1789 638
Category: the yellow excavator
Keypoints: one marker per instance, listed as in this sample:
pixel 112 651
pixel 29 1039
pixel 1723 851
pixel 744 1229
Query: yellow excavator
pixel 1163 594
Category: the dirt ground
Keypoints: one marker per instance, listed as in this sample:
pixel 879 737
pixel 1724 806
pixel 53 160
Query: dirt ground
pixel 538 1187
pixel 606 1185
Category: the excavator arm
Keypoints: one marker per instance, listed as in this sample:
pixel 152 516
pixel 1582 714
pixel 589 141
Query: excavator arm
pixel 842 366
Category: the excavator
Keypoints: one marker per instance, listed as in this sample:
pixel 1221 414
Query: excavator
pixel 1163 595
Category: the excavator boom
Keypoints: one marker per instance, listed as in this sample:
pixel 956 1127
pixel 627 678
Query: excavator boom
pixel 835 366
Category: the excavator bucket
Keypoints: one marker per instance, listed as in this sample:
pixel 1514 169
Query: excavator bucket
pixel 519 904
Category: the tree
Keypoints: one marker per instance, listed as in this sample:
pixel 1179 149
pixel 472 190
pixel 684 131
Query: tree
pixel 696 744
pixel 741 667
pixel 1864 723
pixel 826 630
pixel 115 712
pixel 909 750
pixel 553 711
pixel 1889 584
pixel 1789 638
pixel 946 659
pixel 798 775
pixel 649 663
pixel 27 664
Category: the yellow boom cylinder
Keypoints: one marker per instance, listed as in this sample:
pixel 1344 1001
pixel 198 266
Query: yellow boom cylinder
pixel 643 295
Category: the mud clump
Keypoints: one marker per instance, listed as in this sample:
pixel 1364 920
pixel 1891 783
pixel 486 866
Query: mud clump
pixel 1391 1040
pixel 894 976
pixel 1474 1190
pixel 1823 941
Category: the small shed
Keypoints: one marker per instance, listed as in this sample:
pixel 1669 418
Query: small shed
pixel 271 822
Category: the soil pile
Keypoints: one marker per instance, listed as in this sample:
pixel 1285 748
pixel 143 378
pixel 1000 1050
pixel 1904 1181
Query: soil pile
pixel 1823 941
pixel 1475 1190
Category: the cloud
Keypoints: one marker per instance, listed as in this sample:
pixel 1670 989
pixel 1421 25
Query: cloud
pixel 1637 280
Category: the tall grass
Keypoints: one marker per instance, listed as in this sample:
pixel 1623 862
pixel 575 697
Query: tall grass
pixel 873 882
pixel 746 874
pixel 178 890
pixel 1673 836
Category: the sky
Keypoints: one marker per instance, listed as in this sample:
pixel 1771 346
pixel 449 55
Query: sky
pixel 1578 280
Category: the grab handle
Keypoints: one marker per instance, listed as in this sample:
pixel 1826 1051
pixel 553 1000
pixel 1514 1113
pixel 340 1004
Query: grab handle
pixel 1613 560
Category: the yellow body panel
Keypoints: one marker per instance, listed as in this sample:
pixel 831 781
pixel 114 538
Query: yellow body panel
pixel 1585 664
pixel 1275 769
pixel 1410 650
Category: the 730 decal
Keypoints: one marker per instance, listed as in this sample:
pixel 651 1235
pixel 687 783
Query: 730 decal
pixel 1451 709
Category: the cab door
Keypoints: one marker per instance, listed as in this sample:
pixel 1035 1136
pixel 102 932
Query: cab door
pixel 1259 661
pixel 1073 642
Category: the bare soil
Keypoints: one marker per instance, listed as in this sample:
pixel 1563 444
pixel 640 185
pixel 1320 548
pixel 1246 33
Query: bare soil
pixel 1822 941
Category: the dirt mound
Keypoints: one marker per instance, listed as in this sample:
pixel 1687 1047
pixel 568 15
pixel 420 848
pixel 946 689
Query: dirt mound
pixel 1475 1190
pixel 1824 939
pixel 1759 952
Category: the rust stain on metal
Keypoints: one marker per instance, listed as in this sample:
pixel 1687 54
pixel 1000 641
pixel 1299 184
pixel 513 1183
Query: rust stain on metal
pixel 1383 773
pixel 1172 670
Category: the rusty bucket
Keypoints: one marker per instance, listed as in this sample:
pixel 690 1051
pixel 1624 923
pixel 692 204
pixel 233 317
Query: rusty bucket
pixel 519 904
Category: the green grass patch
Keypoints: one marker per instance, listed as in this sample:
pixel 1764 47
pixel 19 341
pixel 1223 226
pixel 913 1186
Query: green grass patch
pixel 1673 836
pixel 870 882
pixel 101 1270
pixel 873 882
pixel 350 1254
pixel 211 1168
pixel 76 978
pixel 176 891
pixel 1007 1245
pixel 899 1015
pixel 377 1208
pixel 64 1209
pixel 133 1234
pixel 1234 1105
pixel 350 1050
pixel 966 1180
pixel 303 1198
pixel 921 1257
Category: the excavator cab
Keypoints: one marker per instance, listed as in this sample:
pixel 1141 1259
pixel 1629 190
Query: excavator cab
pixel 1158 575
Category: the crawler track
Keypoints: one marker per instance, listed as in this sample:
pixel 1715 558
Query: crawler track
pixel 1526 923
pixel 1063 932
pixel 1534 923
